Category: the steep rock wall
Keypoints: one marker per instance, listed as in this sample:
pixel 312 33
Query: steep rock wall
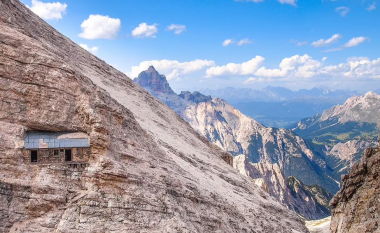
pixel 149 171
pixel 355 208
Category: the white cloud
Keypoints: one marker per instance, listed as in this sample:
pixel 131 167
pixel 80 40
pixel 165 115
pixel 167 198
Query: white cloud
pixel 291 2
pixel 93 49
pixel 343 11
pixel 250 80
pixel 355 41
pixel 144 30
pixel 295 66
pixel 300 43
pixel 297 42
pixel 323 42
pixel 244 41
pixel 100 27
pixel 48 10
pixel 351 43
pixel 228 42
pixel 324 59
pixel 298 67
pixel 372 7
pixel 245 68
pixel 171 68
pixel 359 69
pixel 178 29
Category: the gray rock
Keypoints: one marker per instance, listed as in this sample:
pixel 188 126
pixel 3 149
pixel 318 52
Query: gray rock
pixel 149 171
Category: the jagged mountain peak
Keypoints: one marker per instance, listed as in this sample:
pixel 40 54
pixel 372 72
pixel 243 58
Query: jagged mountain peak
pixel 151 69
pixel 151 80
pixel 357 108
pixel 148 170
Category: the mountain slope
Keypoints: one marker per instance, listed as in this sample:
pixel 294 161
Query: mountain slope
pixel 149 171
pixel 346 129
pixel 238 134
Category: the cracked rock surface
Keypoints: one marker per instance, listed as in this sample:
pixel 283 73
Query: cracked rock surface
pixel 149 171
pixel 355 208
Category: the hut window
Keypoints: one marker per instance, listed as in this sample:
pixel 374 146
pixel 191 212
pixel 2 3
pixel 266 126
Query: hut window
pixel 56 152
pixel 33 156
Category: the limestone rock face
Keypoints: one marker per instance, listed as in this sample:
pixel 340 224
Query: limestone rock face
pixel 148 170
pixel 154 80
pixel 252 142
pixel 355 208
pixel 310 201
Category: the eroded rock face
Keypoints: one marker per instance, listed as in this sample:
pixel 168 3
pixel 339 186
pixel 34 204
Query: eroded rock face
pixel 355 208
pixel 265 147
pixel 309 201
pixel 148 171
pixel 155 81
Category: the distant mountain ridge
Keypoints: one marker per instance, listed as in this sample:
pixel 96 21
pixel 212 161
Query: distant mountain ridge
pixel 279 106
pixel 344 131
pixel 278 94
pixel 273 154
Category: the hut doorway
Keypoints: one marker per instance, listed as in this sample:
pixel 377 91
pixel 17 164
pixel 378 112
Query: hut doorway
pixel 68 155
pixel 33 156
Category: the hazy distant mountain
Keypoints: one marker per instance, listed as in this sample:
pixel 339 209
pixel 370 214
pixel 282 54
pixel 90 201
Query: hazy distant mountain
pixel 279 106
pixel 344 131
pixel 273 154
pixel 278 94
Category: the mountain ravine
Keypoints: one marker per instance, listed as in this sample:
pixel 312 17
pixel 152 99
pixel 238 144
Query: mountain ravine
pixel 147 170
pixel 249 140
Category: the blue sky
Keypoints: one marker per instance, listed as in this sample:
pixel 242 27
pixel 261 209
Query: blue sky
pixel 295 44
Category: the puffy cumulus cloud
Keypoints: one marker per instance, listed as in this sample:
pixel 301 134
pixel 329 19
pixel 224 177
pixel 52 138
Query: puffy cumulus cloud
pixel 227 42
pixel 326 42
pixel 244 41
pixel 48 10
pixel 355 69
pixel 372 7
pixel 171 68
pixel 178 29
pixel 93 49
pixel 355 41
pixel 291 2
pixel 100 27
pixel 300 68
pixel 295 66
pixel 144 30
pixel 343 11
pixel 231 69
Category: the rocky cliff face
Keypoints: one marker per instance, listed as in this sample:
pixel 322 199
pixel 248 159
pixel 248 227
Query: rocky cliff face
pixel 310 201
pixel 156 82
pixel 149 171
pixel 345 131
pixel 265 147
pixel 355 208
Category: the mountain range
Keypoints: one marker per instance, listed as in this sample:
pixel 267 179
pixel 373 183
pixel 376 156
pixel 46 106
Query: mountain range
pixel 279 106
pixel 268 155
pixel 147 169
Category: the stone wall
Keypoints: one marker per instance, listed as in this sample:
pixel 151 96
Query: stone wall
pixel 44 156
